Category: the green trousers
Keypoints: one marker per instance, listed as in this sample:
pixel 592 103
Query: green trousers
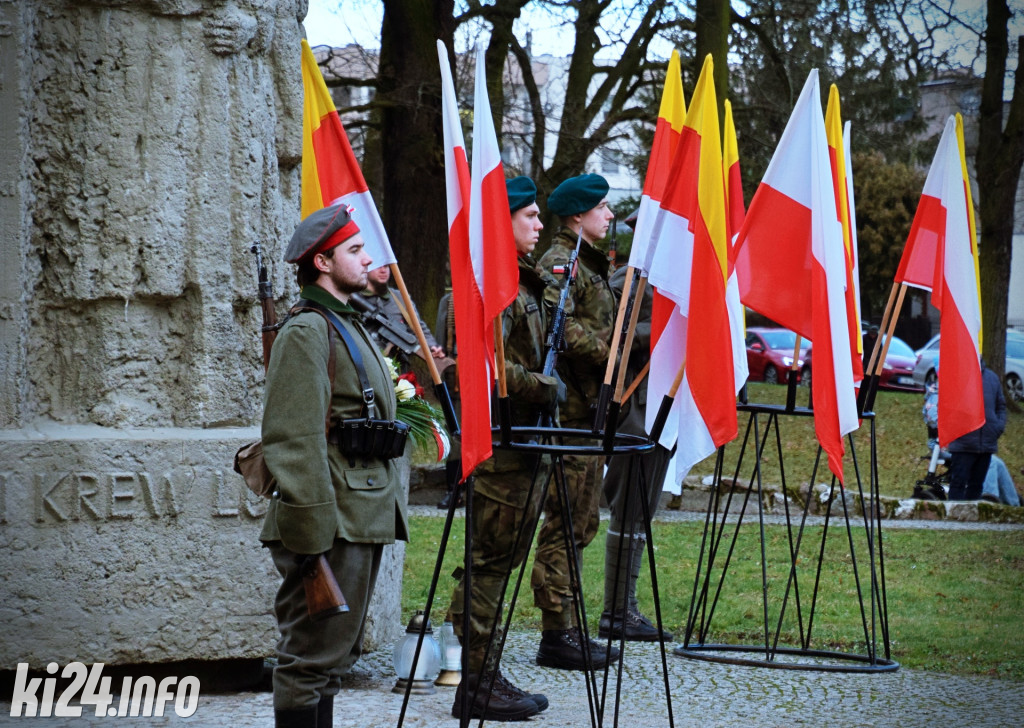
pixel 313 656
pixel 550 579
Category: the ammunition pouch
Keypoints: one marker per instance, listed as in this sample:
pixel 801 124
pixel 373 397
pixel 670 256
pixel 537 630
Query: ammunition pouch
pixel 366 437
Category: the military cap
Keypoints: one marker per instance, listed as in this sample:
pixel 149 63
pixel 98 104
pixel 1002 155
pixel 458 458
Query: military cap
pixel 577 195
pixel 521 192
pixel 320 231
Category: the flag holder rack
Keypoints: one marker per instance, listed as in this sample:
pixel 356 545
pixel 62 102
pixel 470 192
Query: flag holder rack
pixel 548 442
pixel 711 580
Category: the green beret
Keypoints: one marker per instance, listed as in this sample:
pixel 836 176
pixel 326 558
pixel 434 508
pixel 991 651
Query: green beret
pixel 521 192
pixel 577 195
pixel 331 224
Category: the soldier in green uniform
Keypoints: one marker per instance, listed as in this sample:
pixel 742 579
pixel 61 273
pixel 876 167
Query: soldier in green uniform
pixel 582 205
pixel 345 506
pixel 501 508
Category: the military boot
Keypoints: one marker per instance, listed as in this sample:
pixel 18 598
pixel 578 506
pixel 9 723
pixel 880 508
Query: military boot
pixel 501 704
pixel 564 649
pixel 621 571
pixel 295 717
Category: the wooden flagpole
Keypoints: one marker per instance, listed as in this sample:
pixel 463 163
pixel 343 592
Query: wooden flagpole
pixel 628 346
pixel 414 321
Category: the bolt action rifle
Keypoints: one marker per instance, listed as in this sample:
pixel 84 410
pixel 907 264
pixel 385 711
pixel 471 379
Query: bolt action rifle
pixel 323 595
pixel 398 336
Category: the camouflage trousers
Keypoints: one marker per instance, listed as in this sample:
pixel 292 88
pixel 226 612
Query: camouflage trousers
pixel 552 588
pixel 499 509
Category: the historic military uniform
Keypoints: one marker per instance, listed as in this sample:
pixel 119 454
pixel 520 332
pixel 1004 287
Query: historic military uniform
pixel 624 545
pixel 325 502
pixel 590 317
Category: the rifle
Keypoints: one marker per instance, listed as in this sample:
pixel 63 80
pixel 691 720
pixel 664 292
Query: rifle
pixel 377 323
pixel 323 595
pixel 556 333
pixel 613 245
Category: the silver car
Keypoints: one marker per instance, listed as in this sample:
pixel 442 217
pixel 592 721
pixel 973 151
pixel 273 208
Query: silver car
pixel 928 355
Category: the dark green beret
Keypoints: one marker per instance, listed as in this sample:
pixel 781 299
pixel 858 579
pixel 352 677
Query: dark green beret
pixel 577 195
pixel 521 192
pixel 331 224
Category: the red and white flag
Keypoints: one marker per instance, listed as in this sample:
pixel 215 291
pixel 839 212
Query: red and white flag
pixel 792 265
pixel 330 172
pixel 690 266
pixel 939 257
pixel 483 264
pixel 667 133
pixel 734 204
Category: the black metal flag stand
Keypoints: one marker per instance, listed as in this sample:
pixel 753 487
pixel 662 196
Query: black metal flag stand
pixel 789 605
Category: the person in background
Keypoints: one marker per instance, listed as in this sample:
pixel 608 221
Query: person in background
pixel 998 486
pixel 970 454
pixel 387 301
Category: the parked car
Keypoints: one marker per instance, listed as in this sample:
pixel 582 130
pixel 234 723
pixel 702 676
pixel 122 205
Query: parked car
pixel 925 369
pixel 770 354
pixel 897 371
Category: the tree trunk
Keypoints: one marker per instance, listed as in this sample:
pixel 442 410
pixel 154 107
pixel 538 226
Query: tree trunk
pixel 409 94
pixel 999 160
pixel 712 25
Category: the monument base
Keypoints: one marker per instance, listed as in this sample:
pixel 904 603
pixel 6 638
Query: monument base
pixel 142 546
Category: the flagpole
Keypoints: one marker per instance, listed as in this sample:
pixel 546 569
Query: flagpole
pixel 504 404
pixel 869 401
pixel 666 404
pixel 791 377
pixel 611 419
pixel 439 387
pixel 605 395
pixel 636 382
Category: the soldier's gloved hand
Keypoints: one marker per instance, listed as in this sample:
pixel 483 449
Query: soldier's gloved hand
pixel 551 390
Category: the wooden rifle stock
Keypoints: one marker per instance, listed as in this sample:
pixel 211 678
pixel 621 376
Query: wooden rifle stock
pixel 323 595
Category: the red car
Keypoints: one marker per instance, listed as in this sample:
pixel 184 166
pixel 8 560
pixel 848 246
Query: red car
pixel 897 372
pixel 770 354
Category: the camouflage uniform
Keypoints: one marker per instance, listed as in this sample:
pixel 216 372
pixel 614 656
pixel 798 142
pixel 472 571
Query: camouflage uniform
pixel 590 317
pixel 502 484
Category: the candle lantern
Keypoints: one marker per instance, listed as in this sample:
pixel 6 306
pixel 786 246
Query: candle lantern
pixel 451 656
pixel 426 669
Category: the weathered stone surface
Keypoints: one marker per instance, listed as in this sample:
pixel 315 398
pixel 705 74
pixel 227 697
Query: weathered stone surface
pixel 141 546
pixel 144 146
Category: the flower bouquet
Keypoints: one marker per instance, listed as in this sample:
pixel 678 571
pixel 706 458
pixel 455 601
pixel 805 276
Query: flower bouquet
pixel 424 419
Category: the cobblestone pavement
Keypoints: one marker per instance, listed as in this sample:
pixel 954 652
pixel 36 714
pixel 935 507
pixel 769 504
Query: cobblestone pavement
pixel 706 694
pixel 703 694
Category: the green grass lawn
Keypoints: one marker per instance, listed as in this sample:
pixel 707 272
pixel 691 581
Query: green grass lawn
pixel 954 597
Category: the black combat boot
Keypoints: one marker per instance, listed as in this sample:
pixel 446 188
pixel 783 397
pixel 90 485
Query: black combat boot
pixel 508 686
pixel 563 649
pixel 295 717
pixel 325 712
pixel 501 704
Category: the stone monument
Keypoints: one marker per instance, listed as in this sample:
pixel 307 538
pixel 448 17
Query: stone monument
pixel 146 144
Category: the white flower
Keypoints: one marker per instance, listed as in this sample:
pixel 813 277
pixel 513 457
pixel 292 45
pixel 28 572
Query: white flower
pixel 404 390
pixel 392 369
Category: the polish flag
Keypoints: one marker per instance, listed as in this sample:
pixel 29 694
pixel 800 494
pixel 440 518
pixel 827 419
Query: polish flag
pixel 854 247
pixel 736 212
pixel 330 172
pixel 690 266
pixel 840 177
pixel 484 274
pixel 792 265
pixel 940 257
